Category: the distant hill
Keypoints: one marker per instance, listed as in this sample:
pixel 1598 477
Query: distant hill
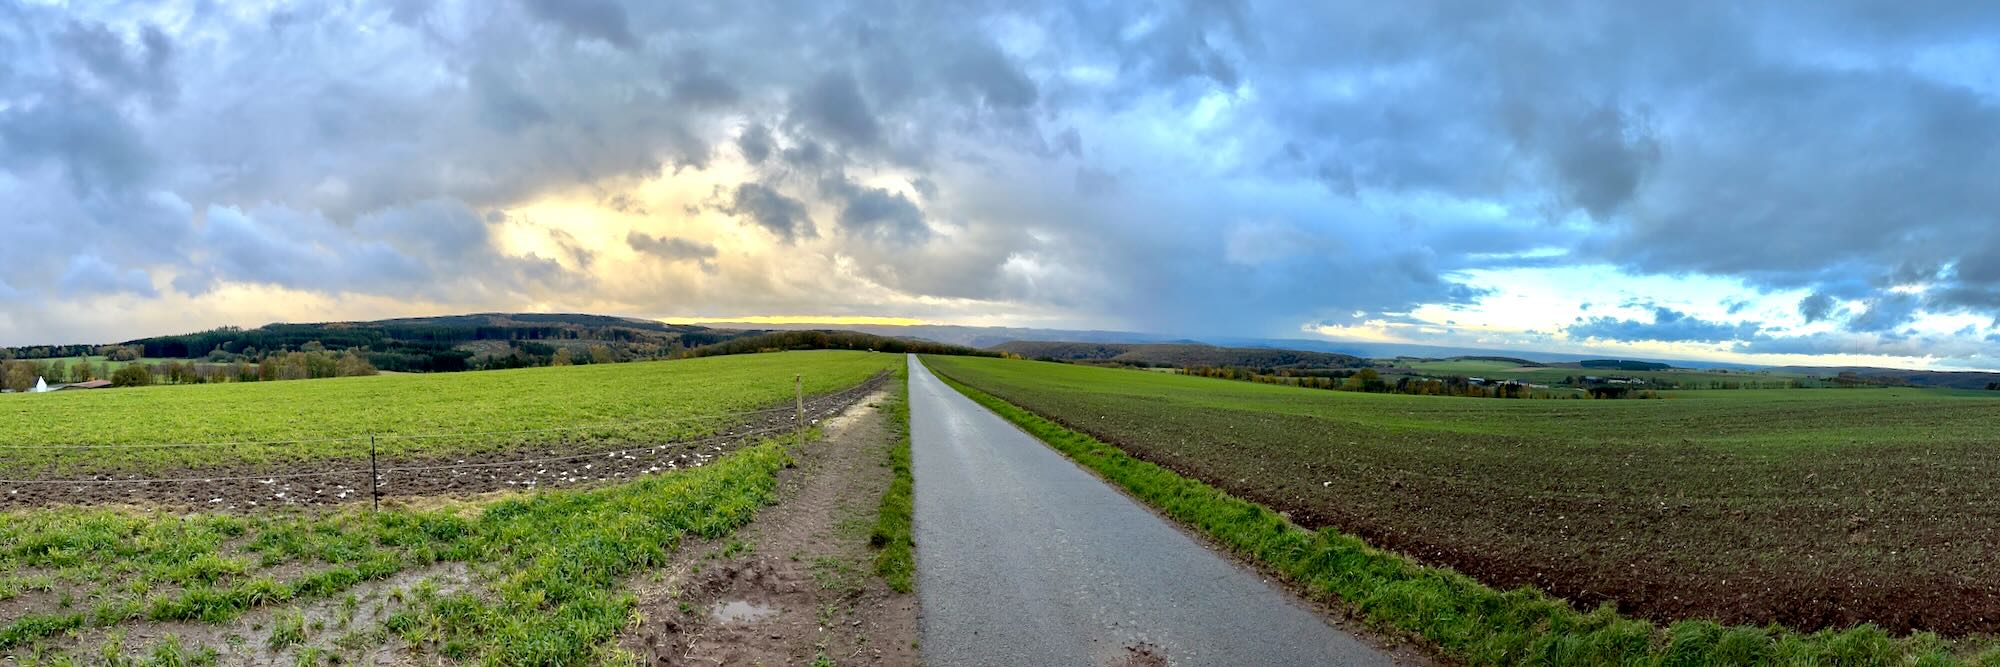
pixel 1519 363
pixel 480 341
pixel 1179 354
pixel 449 343
pixel 1623 365
pixel 420 344
pixel 991 336
pixel 970 336
pixel 829 339
pixel 1895 376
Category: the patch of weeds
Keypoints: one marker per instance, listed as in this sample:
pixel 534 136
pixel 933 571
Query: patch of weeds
pixel 289 629
pixel 834 574
pixel 170 653
pixel 345 616
pixel 735 548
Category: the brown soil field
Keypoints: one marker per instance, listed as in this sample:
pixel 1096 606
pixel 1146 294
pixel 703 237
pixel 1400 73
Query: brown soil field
pixel 1836 509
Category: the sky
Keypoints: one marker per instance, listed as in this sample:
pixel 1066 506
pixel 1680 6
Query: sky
pixel 1782 182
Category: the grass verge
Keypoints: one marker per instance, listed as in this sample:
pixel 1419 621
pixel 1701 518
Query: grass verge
pixel 895 558
pixel 1456 615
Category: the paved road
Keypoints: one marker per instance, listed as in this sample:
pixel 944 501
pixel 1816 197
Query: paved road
pixel 1025 559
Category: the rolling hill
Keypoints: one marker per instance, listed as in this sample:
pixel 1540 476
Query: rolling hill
pixel 1179 354
pixel 1897 376
pixel 482 341
pixel 449 343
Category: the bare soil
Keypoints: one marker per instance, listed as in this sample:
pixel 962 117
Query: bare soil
pixel 798 583
pixel 307 484
pixel 1693 532
pixel 335 628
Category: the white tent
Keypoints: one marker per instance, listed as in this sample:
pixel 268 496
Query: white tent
pixel 40 385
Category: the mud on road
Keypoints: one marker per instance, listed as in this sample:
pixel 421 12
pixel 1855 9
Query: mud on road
pixel 338 481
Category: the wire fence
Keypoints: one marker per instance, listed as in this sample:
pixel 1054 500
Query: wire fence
pixel 731 428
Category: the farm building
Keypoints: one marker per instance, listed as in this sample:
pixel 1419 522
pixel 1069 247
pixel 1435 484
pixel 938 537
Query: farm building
pixel 93 384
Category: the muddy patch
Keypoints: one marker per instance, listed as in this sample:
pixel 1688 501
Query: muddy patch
pixel 345 629
pixel 1140 655
pixel 739 611
pixel 798 584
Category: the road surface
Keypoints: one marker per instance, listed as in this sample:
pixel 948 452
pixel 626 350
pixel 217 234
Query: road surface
pixel 1025 559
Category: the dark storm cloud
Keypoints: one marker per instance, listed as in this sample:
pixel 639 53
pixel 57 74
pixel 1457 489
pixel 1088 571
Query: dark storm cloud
pixel 1816 307
pixel 1885 313
pixel 600 19
pixel 832 106
pixel 82 134
pixel 755 144
pixel 141 67
pixel 758 204
pixel 1668 325
pixel 987 73
pixel 879 213
pixel 670 248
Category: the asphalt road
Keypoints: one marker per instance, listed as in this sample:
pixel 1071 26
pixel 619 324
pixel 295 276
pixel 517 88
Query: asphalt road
pixel 1025 559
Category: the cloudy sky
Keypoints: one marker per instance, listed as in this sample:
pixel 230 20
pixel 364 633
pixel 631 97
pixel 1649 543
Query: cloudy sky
pixel 1784 182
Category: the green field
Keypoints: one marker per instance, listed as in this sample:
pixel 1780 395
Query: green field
pixel 1463 366
pixel 1501 370
pixel 620 403
pixel 1743 506
pixel 516 578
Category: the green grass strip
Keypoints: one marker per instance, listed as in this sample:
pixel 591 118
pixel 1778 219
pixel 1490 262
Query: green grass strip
pixel 1459 617
pixel 896 559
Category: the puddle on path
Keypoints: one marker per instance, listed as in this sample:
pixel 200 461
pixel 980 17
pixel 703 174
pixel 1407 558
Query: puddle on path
pixel 740 611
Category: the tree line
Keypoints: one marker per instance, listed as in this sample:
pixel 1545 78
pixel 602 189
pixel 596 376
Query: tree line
pixel 312 363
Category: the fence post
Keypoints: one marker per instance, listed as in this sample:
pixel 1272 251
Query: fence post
pixel 799 395
pixel 374 478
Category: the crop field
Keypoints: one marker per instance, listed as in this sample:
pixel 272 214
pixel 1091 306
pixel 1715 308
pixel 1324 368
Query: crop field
pixel 409 415
pixel 1814 508
pixel 1494 369
pixel 1463 366
pixel 509 578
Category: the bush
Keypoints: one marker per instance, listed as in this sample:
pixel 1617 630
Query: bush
pixel 132 375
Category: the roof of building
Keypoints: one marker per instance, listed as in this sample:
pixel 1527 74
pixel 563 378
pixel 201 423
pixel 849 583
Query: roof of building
pixel 93 384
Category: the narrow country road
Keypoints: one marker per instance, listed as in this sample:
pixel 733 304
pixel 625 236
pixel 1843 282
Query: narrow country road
pixel 1025 559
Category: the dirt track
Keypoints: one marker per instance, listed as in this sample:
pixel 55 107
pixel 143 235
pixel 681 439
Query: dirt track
pixel 797 583
pixel 336 481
